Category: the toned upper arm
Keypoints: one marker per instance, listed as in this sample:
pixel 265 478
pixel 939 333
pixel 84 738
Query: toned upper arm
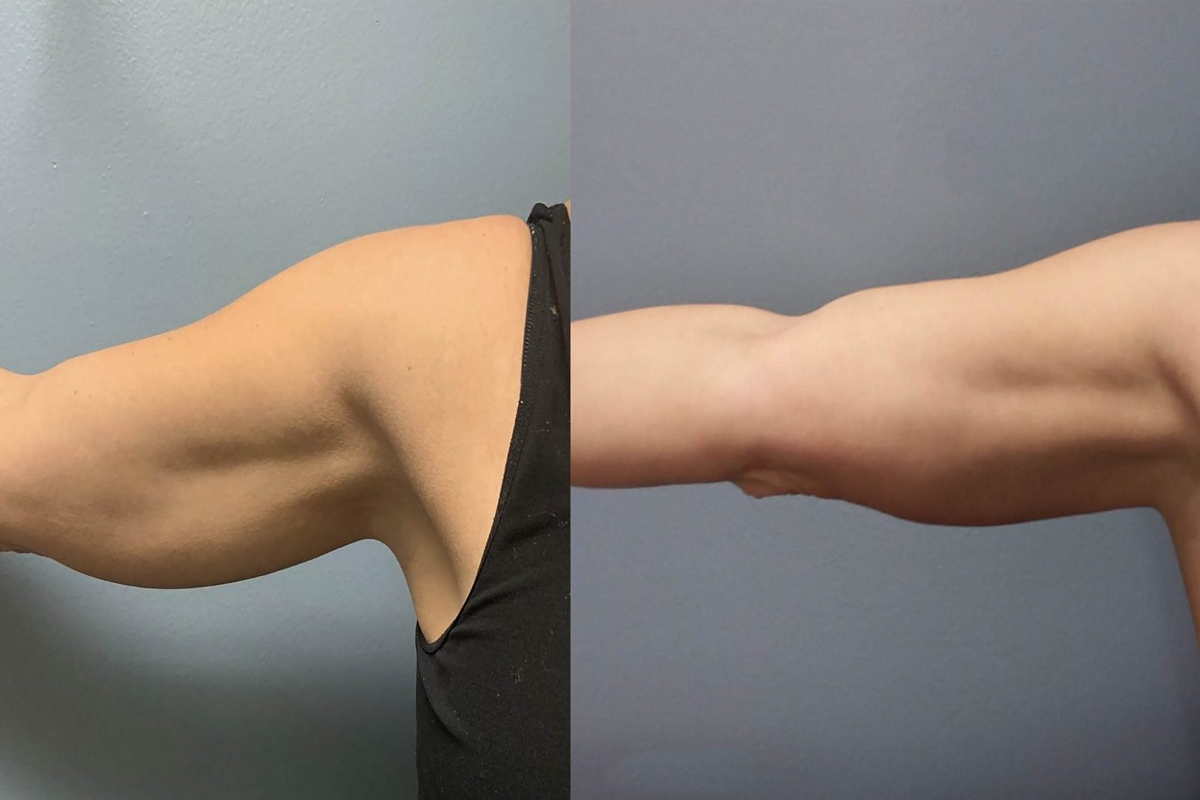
pixel 295 420
pixel 1065 386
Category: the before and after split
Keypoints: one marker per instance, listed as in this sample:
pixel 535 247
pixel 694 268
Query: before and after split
pixel 605 399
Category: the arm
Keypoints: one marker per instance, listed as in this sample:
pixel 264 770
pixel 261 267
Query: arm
pixel 1066 386
pixel 1063 387
pixel 304 416
pixel 221 450
pixel 1058 387
pixel 660 395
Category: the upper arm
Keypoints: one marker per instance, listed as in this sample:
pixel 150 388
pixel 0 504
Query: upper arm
pixel 1057 388
pixel 295 420
pixel 229 447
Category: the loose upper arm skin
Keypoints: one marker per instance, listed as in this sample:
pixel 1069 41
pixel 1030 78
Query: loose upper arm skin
pixel 223 449
pixel 306 415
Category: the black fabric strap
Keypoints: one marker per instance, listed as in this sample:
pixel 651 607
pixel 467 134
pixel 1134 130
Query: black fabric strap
pixel 555 225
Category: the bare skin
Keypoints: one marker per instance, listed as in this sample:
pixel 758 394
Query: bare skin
pixel 1066 386
pixel 368 392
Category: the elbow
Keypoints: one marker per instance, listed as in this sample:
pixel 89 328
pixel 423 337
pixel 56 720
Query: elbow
pixel 14 393
pixel 15 530
pixel 46 479
pixel 783 393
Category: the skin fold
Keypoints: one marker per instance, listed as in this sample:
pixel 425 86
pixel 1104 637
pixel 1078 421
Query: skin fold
pixel 1066 386
pixel 368 392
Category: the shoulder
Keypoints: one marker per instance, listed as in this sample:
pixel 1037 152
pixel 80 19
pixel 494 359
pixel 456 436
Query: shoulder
pixel 439 291
pixel 433 328
pixel 408 291
pixel 492 234
pixel 430 255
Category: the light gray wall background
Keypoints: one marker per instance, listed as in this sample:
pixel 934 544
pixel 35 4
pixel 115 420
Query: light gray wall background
pixel 156 162
pixel 779 155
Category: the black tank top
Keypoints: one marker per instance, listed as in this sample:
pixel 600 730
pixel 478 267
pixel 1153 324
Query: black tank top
pixel 493 693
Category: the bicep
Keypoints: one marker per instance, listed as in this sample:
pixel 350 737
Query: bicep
pixel 1043 391
pixel 228 448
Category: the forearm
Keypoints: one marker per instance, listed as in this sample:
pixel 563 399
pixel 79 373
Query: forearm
pixel 661 395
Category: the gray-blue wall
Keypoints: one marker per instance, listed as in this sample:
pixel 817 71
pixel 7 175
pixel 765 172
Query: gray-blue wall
pixel 779 155
pixel 157 161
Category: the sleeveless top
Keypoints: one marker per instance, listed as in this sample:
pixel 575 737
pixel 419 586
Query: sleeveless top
pixel 493 692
